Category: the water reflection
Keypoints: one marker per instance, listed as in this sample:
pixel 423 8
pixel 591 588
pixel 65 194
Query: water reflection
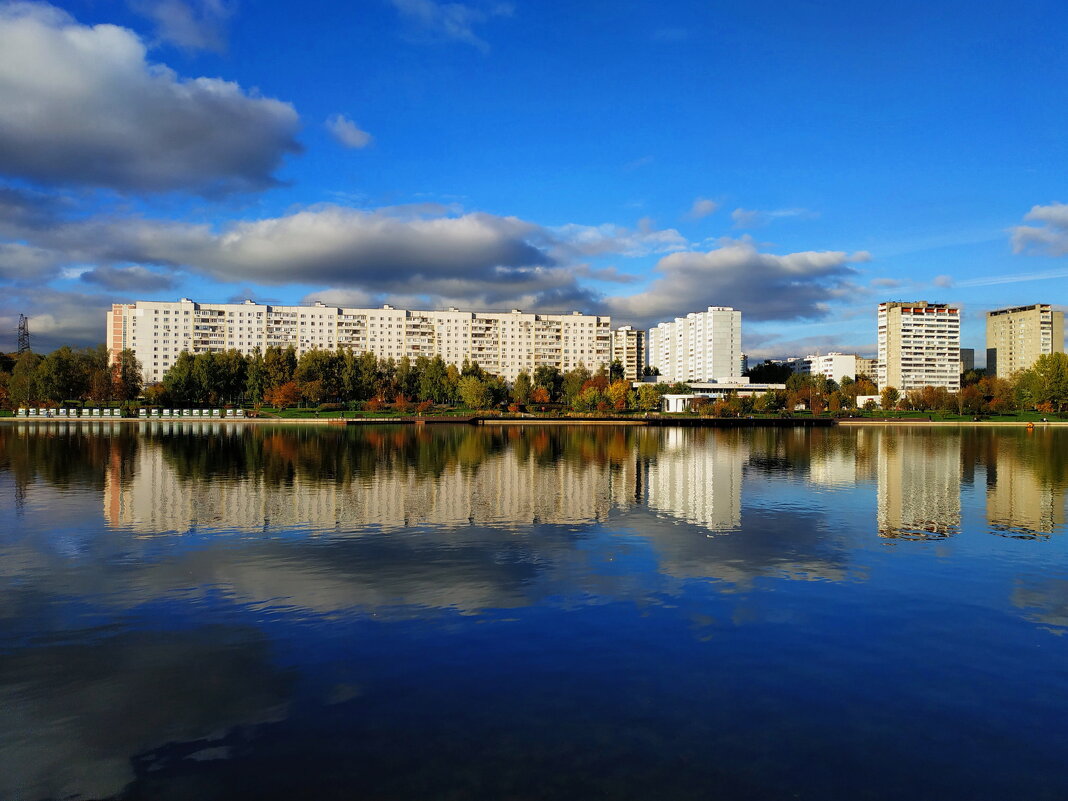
pixel 174 596
pixel 919 484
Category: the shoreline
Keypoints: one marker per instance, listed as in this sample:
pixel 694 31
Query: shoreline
pixel 684 422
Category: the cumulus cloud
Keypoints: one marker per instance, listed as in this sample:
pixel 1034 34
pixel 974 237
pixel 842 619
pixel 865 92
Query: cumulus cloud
pixel 595 240
pixel 81 105
pixel 454 21
pixel 133 278
pixel 1051 237
pixel 755 218
pixel 192 25
pixel 702 207
pixel 347 132
pixel 766 286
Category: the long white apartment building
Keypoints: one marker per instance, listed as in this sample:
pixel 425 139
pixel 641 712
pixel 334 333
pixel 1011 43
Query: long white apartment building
pixel 702 346
pixel 919 345
pixel 502 343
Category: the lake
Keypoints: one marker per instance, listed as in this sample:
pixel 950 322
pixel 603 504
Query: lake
pixel 211 611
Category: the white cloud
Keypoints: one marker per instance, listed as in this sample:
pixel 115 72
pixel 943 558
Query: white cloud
pixel 19 262
pixel 595 240
pixel 455 21
pixel 885 283
pixel 189 24
pixel 943 280
pixel 81 105
pixel 764 285
pixel 347 132
pixel 702 207
pixel 1050 238
pixel 754 218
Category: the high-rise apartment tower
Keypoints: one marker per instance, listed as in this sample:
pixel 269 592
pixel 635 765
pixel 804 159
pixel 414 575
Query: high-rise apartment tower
pixel 702 346
pixel 919 345
pixel 1016 337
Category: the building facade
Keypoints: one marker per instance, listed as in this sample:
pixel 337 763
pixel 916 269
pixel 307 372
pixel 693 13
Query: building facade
pixel 628 348
pixel 834 366
pixel 702 346
pixel 919 345
pixel 502 343
pixel 1016 337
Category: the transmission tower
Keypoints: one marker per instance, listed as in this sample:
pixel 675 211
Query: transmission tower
pixel 24 334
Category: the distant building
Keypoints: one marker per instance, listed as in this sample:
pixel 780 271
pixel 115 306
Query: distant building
pixel 1017 336
pixel 868 367
pixel 502 343
pixel 967 359
pixel 834 366
pixel 919 345
pixel 628 347
pixel 702 346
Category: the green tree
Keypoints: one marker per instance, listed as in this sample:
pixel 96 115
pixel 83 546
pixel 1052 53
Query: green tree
pixel 178 380
pixel 889 397
pixel 649 396
pixel 434 383
pixel 549 377
pixel 22 387
pixel 255 376
pixel 522 388
pixel 615 370
pixel 280 365
pixel 574 381
pixel 474 393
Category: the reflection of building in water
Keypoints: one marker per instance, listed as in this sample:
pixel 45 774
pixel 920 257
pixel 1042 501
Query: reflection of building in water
pixel 698 481
pixel 501 488
pixel 1018 503
pixel 919 484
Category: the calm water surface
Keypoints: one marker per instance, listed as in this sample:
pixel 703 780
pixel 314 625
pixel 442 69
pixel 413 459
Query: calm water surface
pixel 194 611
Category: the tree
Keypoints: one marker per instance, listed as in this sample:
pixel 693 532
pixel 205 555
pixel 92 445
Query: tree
pixel 255 376
pixel 540 395
pixel 615 370
pixel 588 399
pixel 127 376
pixel 474 393
pixel 888 398
pixel 433 382
pixel 649 396
pixel 521 389
pixel 617 394
pixel 22 386
pixel 1046 381
pixel 178 380
pixel 574 381
pixel 769 373
pixel 550 378
pixel 283 396
pixel 280 365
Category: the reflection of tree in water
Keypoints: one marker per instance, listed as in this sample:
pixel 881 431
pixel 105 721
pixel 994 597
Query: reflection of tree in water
pixel 64 455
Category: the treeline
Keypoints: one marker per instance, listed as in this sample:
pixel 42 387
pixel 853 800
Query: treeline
pixel 277 377
pixel 68 375
pixel 1043 388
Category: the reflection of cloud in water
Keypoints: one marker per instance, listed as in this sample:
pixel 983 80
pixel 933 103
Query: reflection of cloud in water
pixel 73 716
pixel 1044 601
pixel 771 544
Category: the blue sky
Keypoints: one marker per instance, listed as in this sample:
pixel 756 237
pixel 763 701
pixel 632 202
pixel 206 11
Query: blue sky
pixel 802 161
